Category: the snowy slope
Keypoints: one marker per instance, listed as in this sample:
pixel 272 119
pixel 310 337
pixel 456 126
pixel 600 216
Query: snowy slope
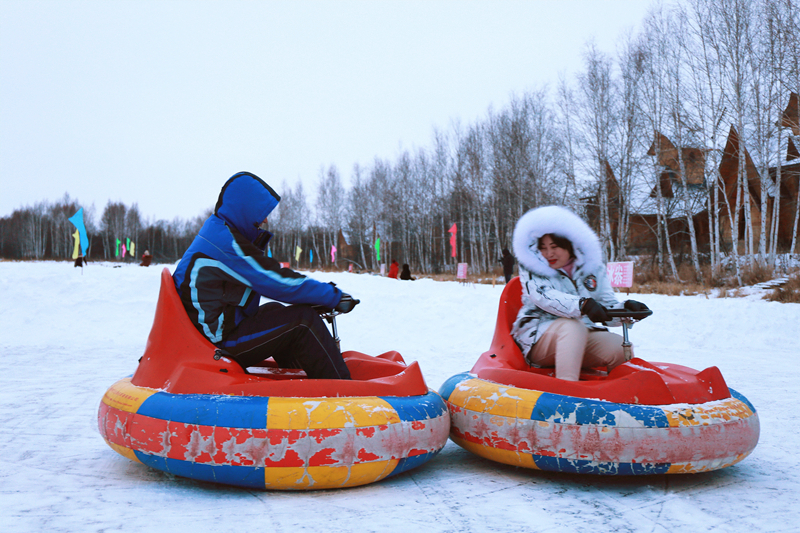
pixel 66 336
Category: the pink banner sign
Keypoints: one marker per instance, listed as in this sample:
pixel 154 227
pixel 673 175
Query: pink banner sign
pixel 461 273
pixel 620 274
pixel 285 265
pixel 452 231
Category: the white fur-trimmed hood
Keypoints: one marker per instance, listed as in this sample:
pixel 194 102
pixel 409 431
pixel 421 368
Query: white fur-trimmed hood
pixel 564 223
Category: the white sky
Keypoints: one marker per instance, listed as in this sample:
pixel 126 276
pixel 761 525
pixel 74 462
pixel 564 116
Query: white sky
pixel 159 102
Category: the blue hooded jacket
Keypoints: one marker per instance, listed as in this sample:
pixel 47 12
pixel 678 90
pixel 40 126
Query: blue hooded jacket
pixel 223 274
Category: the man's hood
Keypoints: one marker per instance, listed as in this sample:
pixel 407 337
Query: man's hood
pixel 558 221
pixel 244 202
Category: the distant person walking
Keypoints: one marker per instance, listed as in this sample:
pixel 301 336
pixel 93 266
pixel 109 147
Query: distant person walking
pixel 146 259
pixel 508 264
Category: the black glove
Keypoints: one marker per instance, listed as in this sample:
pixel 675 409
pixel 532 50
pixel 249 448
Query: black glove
pixel 633 305
pixel 346 304
pixel 595 311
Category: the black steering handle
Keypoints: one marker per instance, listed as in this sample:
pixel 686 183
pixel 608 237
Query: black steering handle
pixel 625 313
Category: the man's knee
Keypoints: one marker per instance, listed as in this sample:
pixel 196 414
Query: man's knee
pixel 307 315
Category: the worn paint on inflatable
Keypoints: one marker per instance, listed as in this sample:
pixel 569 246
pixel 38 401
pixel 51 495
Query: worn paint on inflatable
pixel 273 443
pixel 549 431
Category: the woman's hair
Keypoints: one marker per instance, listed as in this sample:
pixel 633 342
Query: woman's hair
pixel 561 242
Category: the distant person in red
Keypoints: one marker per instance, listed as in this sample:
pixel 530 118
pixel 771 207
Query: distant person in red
pixel 393 268
pixel 146 259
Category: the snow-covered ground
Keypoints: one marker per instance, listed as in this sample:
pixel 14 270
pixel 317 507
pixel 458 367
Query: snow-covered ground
pixel 66 336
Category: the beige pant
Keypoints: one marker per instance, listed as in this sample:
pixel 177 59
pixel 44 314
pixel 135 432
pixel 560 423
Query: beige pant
pixel 569 345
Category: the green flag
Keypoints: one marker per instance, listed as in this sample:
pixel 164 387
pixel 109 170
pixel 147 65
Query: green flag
pixel 378 248
pixel 118 243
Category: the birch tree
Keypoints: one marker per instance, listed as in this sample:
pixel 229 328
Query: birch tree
pixel 705 71
pixel 682 124
pixel 597 109
pixel 654 111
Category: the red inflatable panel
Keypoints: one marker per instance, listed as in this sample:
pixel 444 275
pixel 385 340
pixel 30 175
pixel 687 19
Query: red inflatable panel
pixel 635 382
pixel 179 360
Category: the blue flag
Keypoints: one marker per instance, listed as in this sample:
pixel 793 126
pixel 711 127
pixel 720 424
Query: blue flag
pixel 77 221
pixel 311 256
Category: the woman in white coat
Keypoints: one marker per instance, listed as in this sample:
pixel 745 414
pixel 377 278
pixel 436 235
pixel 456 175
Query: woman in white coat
pixel 565 291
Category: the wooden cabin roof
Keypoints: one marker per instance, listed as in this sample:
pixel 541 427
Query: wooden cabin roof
pixel 693 159
pixel 791 115
pixel 792 152
pixel 729 168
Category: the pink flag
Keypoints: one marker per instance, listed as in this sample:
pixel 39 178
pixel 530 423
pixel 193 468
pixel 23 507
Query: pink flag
pixel 333 254
pixel 620 274
pixel 452 231
pixel 124 250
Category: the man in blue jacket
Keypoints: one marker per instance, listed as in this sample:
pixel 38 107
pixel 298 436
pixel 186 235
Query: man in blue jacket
pixel 224 273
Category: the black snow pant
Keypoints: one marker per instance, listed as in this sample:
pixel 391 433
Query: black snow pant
pixel 294 336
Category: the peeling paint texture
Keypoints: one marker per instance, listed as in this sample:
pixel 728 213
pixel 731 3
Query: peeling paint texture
pixel 566 434
pixel 274 443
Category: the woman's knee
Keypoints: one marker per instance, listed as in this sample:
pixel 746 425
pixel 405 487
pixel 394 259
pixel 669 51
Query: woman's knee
pixel 572 328
pixel 605 348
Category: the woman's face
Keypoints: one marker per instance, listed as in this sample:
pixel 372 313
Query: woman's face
pixel 556 256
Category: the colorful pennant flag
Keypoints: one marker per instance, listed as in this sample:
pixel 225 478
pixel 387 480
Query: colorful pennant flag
pixel 452 231
pixel 297 253
pixel 378 248
pixel 269 252
pixel 311 256
pixel 77 221
pixel 333 254
pixel 118 243
pixel 124 250
pixel 133 249
pixel 77 236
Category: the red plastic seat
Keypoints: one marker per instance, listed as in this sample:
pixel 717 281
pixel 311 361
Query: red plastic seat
pixel 636 381
pixel 180 360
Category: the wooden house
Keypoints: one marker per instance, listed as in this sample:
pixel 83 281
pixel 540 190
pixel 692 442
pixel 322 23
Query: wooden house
pixel 643 219
pixel 785 192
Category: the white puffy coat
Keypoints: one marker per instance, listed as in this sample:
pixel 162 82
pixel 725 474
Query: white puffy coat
pixel 549 294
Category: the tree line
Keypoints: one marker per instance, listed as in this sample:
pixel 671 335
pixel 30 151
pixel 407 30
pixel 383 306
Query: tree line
pixel 43 231
pixel 694 72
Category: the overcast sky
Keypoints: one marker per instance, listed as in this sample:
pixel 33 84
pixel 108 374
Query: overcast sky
pixel 159 102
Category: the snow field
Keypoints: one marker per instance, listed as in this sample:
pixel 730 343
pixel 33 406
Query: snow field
pixel 66 336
